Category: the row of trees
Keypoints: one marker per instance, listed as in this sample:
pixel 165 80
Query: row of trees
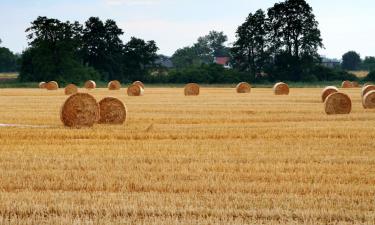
pixel 352 61
pixel 8 60
pixel 72 52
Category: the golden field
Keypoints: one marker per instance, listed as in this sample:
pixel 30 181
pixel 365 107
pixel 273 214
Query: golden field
pixel 219 158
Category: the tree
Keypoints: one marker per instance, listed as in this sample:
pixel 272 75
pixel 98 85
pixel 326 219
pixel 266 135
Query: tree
pixel 368 63
pixel 203 51
pixel 8 60
pixel 54 52
pixel 138 55
pixel 294 28
pixel 351 60
pixel 251 49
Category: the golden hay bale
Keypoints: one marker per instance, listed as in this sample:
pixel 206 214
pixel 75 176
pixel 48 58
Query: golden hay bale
pixel 42 85
pixel 355 84
pixel 112 111
pixel 139 83
pixel 367 89
pixel 368 100
pixel 281 89
pixel 243 87
pixel 71 89
pixel 327 91
pixel 338 103
pixel 114 85
pixel 90 84
pixel 192 89
pixel 346 84
pixel 80 110
pixel 135 90
pixel 52 85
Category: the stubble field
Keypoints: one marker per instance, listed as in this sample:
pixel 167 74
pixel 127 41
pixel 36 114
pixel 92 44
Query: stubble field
pixel 219 158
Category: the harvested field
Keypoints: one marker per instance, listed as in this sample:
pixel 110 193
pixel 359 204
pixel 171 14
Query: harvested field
pixel 218 158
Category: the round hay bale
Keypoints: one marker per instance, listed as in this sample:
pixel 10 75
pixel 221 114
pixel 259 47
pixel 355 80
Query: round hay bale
pixel 42 85
pixel 192 89
pixel 52 85
pixel 112 111
pixel 367 89
pixel 243 87
pixel 355 84
pixel 139 83
pixel 90 84
pixel 338 103
pixel 327 91
pixel 80 110
pixel 367 84
pixel 281 89
pixel 346 84
pixel 135 90
pixel 114 85
pixel 368 100
pixel 71 89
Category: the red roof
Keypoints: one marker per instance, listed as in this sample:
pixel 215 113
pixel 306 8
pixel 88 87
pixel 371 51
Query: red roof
pixel 222 60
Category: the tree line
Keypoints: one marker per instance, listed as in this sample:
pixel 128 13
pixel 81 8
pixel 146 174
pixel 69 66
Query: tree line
pixel 70 52
pixel 279 44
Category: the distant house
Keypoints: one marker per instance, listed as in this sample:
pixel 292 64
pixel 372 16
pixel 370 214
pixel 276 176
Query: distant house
pixel 223 60
pixel 164 61
pixel 331 63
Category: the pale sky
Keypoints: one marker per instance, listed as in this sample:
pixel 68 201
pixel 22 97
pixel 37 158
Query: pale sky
pixel 345 24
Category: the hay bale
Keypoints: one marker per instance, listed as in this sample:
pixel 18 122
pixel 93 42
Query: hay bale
pixel 281 89
pixel 90 84
pixel 42 85
pixel 327 91
pixel 367 89
pixel 114 85
pixel 367 84
pixel 112 111
pixel 355 84
pixel 338 103
pixel 52 85
pixel 80 110
pixel 71 89
pixel 192 89
pixel 346 84
pixel 139 83
pixel 368 100
pixel 243 87
pixel 135 90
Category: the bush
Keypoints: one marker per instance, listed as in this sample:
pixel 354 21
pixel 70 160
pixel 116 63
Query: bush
pixel 370 76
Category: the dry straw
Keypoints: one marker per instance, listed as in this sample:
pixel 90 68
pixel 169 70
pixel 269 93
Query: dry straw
pixel 368 101
pixel 90 84
pixel 338 103
pixel 42 85
pixel 80 110
pixel 135 90
pixel 112 111
pixel 243 87
pixel 52 85
pixel 367 89
pixel 71 89
pixel 327 91
pixel 114 85
pixel 281 89
pixel 139 83
pixel 191 89
pixel 347 84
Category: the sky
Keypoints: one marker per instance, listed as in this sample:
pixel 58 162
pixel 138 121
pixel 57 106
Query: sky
pixel 345 24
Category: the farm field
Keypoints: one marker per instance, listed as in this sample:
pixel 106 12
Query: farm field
pixel 218 158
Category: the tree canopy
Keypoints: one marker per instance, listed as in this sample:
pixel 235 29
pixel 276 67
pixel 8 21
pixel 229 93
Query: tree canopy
pixel 351 60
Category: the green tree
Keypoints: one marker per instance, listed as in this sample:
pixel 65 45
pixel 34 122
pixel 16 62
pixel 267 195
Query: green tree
pixel 8 60
pixel 138 56
pixel 251 49
pixel 368 63
pixel 351 60
pixel 53 52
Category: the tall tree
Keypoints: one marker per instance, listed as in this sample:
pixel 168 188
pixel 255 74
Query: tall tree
pixel 351 60
pixel 251 49
pixel 294 28
pixel 8 60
